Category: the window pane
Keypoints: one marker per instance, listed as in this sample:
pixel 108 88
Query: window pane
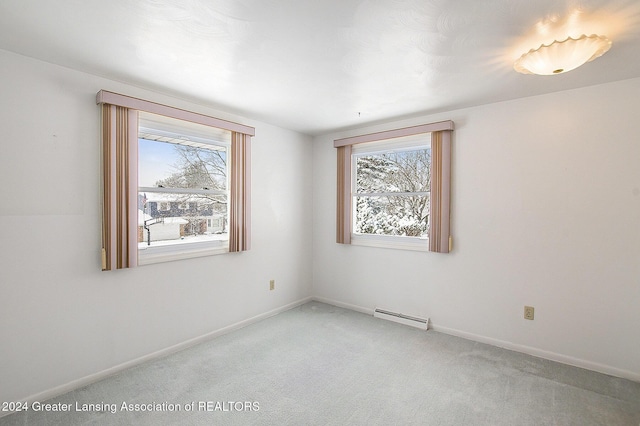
pixel 392 215
pixel 165 219
pixel 181 166
pixel 403 171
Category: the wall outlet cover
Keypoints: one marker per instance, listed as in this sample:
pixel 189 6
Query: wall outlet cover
pixel 529 312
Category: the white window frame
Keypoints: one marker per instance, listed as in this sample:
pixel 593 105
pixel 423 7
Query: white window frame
pixel 407 143
pixel 170 252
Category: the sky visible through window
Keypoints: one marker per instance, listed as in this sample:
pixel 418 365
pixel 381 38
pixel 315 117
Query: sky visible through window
pixel 156 161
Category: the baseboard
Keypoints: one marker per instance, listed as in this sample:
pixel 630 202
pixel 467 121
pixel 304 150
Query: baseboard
pixel 551 356
pixel 339 304
pixel 92 378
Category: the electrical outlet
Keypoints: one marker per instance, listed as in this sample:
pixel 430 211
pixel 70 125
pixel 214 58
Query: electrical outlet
pixel 528 312
pixel 272 285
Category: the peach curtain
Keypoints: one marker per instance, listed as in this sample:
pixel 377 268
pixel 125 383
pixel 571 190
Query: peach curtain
pixel 240 194
pixel 344 209
pixel 120 187
pixel 440 191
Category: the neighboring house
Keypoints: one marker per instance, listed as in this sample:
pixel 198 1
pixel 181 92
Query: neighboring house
pixel 161 217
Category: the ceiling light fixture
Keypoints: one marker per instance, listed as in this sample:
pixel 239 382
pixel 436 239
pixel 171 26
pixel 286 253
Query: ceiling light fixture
pixel 562 56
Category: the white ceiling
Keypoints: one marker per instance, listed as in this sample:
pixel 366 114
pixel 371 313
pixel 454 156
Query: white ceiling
pixel 321 65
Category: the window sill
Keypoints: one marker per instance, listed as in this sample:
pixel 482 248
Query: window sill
pixel 169 253
pixel 390 242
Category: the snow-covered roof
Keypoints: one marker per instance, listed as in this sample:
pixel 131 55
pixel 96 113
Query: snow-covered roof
pixel 177 220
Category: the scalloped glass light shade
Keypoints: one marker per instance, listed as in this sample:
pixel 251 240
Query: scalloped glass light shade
pixel 562 56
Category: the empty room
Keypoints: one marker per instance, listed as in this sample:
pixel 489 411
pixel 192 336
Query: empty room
pixel 279 212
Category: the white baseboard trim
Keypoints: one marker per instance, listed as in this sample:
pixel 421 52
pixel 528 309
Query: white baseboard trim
pixel 540 353
pixel 339 304
pixel 92 378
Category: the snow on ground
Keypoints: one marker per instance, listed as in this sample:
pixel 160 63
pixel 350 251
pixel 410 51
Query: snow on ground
pixel 185 240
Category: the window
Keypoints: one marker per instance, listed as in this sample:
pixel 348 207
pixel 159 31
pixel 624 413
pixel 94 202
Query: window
pixel 390 190
pixel 393 188
pixel 176 184
pixel 183 168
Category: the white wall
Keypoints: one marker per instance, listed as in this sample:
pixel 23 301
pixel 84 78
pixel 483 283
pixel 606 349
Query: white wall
pixel 545 212
pixel 61 318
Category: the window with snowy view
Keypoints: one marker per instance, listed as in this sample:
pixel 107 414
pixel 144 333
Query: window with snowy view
pixel 391 190
pixel 183 185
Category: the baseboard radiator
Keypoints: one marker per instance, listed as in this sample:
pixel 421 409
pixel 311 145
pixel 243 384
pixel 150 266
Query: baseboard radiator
pixel 421 323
